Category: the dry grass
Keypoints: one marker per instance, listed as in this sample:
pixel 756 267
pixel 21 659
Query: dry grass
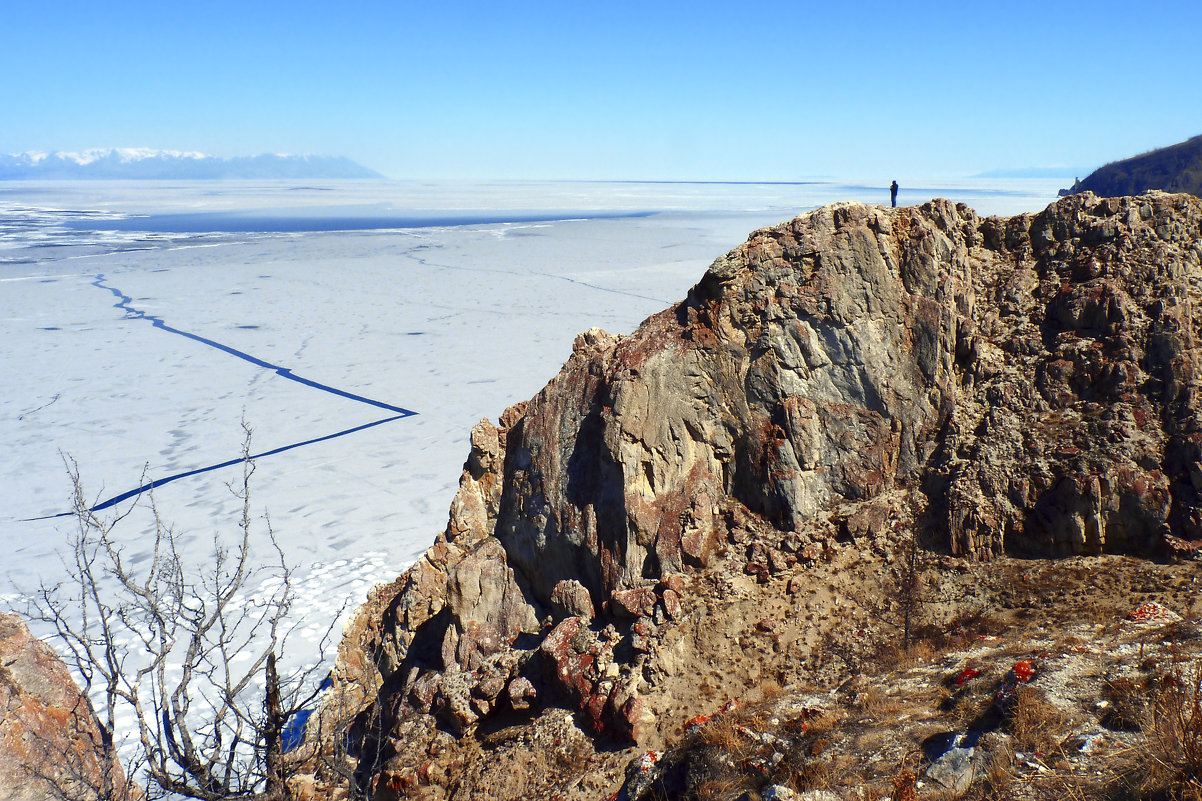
pixel 823 721
pixel 1127 704
pixel 920 653
pixel 1168 766
pixel 998 776
pixel 804 775
pixel 1035 723
pixel 720 789
pixel 966 704
pixel 770 692
pixel 1173 761
pixel 890 655
pixel 878 704
pixel 723 732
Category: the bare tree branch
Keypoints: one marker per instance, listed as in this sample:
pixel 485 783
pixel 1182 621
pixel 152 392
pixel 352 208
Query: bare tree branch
pixel 190 655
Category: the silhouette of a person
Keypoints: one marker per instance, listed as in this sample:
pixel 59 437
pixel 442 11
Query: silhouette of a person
pixel 893 194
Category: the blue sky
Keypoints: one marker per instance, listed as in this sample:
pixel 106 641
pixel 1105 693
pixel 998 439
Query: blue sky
pixel 691 90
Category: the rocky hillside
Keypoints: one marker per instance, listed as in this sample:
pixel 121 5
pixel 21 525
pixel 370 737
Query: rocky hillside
pixel 1177 168
pixel 845 439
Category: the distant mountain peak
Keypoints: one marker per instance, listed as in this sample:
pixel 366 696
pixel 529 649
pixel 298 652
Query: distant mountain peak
pixel 149 163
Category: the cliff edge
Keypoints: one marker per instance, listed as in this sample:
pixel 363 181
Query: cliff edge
pixel 724 496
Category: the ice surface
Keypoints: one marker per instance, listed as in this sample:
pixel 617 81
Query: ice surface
pixel 453 322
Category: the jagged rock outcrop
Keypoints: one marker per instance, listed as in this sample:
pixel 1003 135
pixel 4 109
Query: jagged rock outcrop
pixel 50 745
pixel 1176 168
pixel 1024 385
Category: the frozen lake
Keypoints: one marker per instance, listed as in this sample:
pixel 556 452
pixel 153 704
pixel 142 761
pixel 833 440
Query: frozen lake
pixel 362 329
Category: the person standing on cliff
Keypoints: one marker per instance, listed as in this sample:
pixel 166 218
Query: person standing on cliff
pixel 893 194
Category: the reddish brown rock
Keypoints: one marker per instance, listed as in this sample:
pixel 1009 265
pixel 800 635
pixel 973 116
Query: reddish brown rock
pixel 575 660
pixel 641 634
pixel 50 743
pixel 634 717
pixel 672 604
pixel 673 582
pixel 570 598
pixel 570 651
pixel 632 603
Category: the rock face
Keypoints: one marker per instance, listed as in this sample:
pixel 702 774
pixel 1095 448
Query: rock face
pixel 50 745
pixel 1026 384
pixel 1177 168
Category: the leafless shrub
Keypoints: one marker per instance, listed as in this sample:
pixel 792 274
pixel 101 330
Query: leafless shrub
pixel 179 650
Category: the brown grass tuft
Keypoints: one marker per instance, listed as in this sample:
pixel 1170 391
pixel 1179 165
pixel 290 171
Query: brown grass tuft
pixel 720 789
pixel 1035 723
pixel 1174 730
pixel 878 704
pixel 723 732
pixel 1127 704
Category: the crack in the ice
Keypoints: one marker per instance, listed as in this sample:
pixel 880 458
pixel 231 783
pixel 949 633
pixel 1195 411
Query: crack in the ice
pixel 50 402
pixel 124 302
pixel 158 482
pixel 427 263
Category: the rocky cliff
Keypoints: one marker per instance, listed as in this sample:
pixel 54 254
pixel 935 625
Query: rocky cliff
pixel 840 384
pixel 1177 168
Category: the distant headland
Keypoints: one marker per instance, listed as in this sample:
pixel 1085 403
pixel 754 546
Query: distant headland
pixel 1176 168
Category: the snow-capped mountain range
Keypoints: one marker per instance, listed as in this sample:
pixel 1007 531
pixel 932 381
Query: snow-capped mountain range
pixel 147 163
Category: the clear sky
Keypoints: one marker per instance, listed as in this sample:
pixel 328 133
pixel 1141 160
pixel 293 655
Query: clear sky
pixel 623 90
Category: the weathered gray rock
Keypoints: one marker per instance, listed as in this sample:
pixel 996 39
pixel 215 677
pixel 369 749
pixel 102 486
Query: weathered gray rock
pixel 1027 384
pixel 955 770
pixel 487 607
